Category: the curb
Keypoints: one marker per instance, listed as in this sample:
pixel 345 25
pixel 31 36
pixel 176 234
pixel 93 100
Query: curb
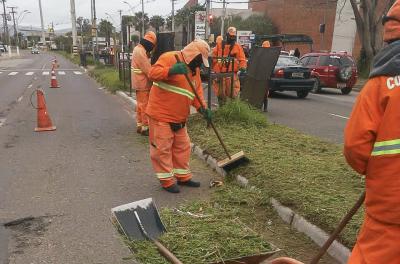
pixel 336 250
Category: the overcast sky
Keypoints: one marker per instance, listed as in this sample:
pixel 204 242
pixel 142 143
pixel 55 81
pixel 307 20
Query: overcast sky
pixel 58 11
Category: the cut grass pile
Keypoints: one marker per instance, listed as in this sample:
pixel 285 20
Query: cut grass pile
pixel 217 234
pixel 302 172
pixel 108 77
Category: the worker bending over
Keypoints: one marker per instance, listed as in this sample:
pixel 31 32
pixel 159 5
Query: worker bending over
pixel 225 49
pixel 372 148
pixel 140 80
pixel 168 109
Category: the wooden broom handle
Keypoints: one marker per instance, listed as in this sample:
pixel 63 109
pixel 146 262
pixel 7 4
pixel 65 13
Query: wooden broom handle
pixel 201 103
pixel 339 229
pixel 166 253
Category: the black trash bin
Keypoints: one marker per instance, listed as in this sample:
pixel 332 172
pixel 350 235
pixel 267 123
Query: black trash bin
pixel 83 59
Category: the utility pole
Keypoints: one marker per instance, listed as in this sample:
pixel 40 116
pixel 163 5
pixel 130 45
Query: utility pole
pixel 41 19
pixel 207 20
pixel 223 17
pixel 5 22
pixel 173 15
pixel 15 27
pixel 95 28
pixel 122 33
pixel 142 18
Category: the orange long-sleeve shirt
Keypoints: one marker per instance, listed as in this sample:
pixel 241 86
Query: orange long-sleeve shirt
pixel 237 52
pixel 372 146
pixel 140 69
pixel 173 105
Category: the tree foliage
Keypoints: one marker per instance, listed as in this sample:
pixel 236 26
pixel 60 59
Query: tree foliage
pixel 137 21
pixel 105 29
pixel 157 22
pixel 259 24
pixel 83 26
pixel 186 15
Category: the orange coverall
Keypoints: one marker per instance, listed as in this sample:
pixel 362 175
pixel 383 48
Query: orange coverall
pixel 141 83
pixel 372 148
pixel 169 102
pixel 222 87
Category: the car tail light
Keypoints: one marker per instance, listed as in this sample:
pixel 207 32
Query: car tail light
pixel 279 73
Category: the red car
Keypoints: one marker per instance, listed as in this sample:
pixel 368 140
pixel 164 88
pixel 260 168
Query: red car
pixel 332 70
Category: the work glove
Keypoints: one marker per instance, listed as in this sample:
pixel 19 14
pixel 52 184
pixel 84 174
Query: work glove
pixel 178 68
pixel 242 71
pixel 207 113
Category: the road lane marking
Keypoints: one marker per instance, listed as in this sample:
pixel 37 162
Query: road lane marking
pixel 77 72
pixel 13 73
pixel 339 116
pixel 45 73
pixel 2 121
pixel 61 72
pixel 20 99
pixel 29 73
pixel 29 86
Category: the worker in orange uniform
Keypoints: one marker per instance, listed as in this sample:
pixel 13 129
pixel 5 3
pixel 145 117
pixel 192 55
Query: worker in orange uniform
pixel 266 44
pixel 168 109
pixel 217 66
pixel 372 148
pixel 229 48
pixel 140 80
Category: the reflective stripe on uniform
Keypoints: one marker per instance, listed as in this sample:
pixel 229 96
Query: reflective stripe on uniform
pixel 181 171
pixel 164 175
pixel 137 70
pixel 174 89
pixel 386 147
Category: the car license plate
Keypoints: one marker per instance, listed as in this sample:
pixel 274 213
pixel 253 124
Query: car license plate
pixel 298 75
pixel 341 85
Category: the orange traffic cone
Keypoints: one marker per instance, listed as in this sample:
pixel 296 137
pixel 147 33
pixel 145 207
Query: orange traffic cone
pixel 43 118
pixel 53 81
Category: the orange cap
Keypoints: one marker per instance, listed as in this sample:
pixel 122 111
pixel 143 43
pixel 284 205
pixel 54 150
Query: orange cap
pixel 392 26
pixel 151 36
pixel 194 48
pixel 266 44
pixel 231 31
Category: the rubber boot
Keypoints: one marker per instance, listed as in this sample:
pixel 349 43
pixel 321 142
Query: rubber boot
pixel 172 189
pixel 190 183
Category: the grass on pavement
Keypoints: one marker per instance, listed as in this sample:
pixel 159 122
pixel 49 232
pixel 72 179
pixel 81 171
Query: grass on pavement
pixel 304 173
pixel 108 77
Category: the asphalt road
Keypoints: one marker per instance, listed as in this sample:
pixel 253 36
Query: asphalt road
pixel 323 115
pixel 69 179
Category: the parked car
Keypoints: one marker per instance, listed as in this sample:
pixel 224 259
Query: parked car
pixel 290 75
pixel 3 48
pixel 35 51
pixel 332 70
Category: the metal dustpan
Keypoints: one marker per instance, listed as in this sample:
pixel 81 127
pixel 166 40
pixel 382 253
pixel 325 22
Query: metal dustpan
pixel 140 220
pixel 254 259
pixel 148 214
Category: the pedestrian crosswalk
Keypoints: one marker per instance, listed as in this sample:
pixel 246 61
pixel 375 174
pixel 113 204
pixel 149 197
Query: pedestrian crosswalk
pixel 45 73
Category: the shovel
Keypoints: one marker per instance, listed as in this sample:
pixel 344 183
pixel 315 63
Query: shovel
pixel 140 220
pixel 232 160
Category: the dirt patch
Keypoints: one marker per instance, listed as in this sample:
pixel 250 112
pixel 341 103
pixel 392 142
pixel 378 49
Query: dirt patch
pixel 27 232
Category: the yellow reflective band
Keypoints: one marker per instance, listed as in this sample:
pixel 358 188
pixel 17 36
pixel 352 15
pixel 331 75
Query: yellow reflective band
pixel 387 143
pixel 388 147
pixel 165 175
pixel 181 171
pixel 137 70
pixel 174 89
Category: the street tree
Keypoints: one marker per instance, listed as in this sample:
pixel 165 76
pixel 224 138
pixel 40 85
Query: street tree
pixel 368 17
pixel 156 22
pixel 137 21
pixel 105 28
pixel 84 26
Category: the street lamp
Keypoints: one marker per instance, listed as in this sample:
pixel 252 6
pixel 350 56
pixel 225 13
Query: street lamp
pixel 131 8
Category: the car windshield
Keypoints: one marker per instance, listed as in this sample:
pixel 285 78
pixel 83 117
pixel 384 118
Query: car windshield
pixel 287 61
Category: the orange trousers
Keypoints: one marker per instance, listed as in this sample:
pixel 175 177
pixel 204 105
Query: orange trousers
pixel 169 153
pixel 142 98
pixel 377 242
pixel 222 87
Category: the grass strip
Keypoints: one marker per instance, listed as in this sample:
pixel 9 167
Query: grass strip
pixel 108 77
pixel 219 235
pixel 302 172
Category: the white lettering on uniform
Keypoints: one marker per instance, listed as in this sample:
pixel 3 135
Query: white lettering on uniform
pixel 397 80
pixel 390 83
